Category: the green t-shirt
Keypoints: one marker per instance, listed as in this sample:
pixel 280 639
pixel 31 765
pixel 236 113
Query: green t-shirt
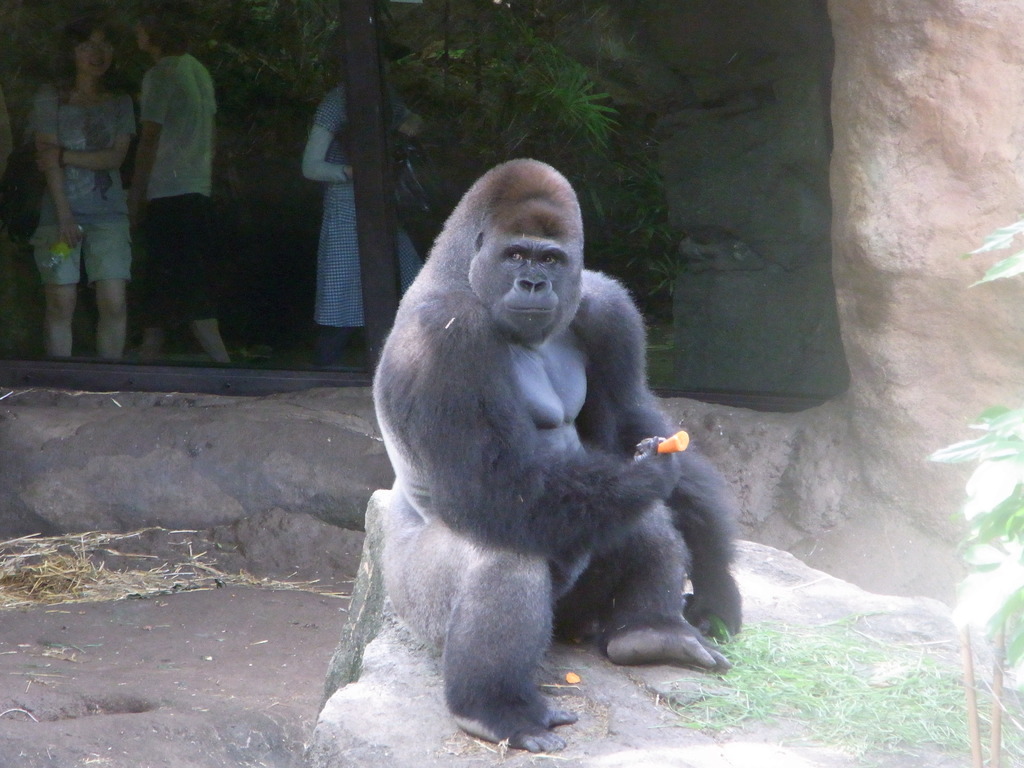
pixel 177 93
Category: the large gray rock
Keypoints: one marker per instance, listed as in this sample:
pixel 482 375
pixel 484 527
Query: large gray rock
pixel 122 461
pixel 393 714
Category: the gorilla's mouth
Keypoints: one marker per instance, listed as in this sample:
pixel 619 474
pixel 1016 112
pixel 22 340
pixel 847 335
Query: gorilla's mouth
pixel 536 305
pixel 531 310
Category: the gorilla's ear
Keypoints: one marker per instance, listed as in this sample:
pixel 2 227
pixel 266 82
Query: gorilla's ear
pixel 479 240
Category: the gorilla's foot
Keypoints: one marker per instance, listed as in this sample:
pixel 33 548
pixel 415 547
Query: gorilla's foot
pixel 520 731
pixel 681 644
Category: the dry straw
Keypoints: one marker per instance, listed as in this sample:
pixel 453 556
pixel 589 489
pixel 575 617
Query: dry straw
pixel 49 570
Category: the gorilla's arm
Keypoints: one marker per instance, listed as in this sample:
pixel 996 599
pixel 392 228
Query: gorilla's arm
pixel 446 396
pixel 702 510
pixel 620 411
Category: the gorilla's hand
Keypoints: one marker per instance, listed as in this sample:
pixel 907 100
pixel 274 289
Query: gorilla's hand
pixel 662 469
pixel 647 447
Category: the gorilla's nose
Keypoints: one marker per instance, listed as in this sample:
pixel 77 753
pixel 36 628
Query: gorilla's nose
pixel 532 284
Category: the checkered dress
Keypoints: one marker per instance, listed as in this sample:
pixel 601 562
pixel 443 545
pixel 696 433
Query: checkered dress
pixel 339 297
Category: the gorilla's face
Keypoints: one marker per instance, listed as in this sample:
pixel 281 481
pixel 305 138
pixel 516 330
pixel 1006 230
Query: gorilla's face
pixel 529 284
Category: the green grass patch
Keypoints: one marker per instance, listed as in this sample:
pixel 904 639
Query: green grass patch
pixel 841 689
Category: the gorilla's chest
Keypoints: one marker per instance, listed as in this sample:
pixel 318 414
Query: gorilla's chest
pixel 552 381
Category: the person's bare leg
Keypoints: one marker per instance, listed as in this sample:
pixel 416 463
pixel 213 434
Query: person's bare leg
pixel 113 318
pixel 152 346
pixel 208 333
pixel 60 309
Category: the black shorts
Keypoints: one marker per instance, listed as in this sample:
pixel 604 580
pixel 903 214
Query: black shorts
pixel 178 233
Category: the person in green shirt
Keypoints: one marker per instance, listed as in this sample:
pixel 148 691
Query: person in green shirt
pixel 170 190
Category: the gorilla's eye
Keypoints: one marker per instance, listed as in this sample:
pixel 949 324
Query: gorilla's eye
pixel 548 258
pixel 516 255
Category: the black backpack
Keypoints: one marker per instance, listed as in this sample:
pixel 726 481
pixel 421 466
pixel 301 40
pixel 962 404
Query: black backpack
pixel 21 194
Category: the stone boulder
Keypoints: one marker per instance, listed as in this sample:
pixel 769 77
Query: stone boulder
pixel 801 485
pixel 122 461
pixel 386 702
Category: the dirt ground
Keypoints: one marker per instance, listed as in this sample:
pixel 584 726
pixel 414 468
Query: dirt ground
pixel 220 664
pixel 190 678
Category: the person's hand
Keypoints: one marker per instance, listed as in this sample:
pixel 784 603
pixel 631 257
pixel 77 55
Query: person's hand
pixel 412 125
pixel 70 232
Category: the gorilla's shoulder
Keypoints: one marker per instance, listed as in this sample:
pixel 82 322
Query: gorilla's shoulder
pixel 440 325
pixel 607 313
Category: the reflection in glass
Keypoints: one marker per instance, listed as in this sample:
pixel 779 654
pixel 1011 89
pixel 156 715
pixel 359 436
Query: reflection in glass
pixel 326 158
pixel 81 132
pixel 696 134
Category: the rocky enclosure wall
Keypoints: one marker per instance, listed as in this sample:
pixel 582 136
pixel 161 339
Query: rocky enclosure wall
pixel 928 119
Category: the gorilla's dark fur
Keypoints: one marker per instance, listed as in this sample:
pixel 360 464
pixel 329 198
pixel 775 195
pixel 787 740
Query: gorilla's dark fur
pixel 511 394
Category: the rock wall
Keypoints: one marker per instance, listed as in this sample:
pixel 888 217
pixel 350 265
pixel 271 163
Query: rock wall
pixel 928 117
pixel 744 153
pixel 120 461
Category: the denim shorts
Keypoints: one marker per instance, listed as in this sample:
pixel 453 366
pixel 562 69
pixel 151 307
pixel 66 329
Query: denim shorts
pixel 106 249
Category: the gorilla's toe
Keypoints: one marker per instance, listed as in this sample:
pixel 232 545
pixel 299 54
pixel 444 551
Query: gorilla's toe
pixel 523 728
pixel 556 717
pixel 540 741
pixel 667 645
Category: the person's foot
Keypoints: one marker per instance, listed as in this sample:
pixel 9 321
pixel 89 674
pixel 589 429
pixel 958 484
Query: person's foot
pixel 330 346
pixel 207 333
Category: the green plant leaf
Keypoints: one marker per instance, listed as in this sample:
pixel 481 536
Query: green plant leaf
pixel 1008 267
pixel 994 415
pixel 994 525
pixel 1002 423
pixel 1001 238
pixel 992 483
pixel 988 447
pixel 1015 645
pixel 984 556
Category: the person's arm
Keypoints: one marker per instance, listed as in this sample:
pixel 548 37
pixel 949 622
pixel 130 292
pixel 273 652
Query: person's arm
pixel 98 160
pixel 411 125
pixel 48 151
pixel 314 159
pixel 145 156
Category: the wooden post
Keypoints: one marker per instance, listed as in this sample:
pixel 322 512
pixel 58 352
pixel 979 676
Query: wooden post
pixel 369 114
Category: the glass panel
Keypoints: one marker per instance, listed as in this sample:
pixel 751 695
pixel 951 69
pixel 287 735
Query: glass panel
pixel 698 138
pixel 696 134
pixel 270 64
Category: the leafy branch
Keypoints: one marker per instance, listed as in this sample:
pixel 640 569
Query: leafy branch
pixel 992 594
pixel 997 241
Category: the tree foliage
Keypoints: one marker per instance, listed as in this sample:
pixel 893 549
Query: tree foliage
pixel 498 81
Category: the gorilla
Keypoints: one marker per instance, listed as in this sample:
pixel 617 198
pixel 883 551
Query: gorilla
pixel 511 396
